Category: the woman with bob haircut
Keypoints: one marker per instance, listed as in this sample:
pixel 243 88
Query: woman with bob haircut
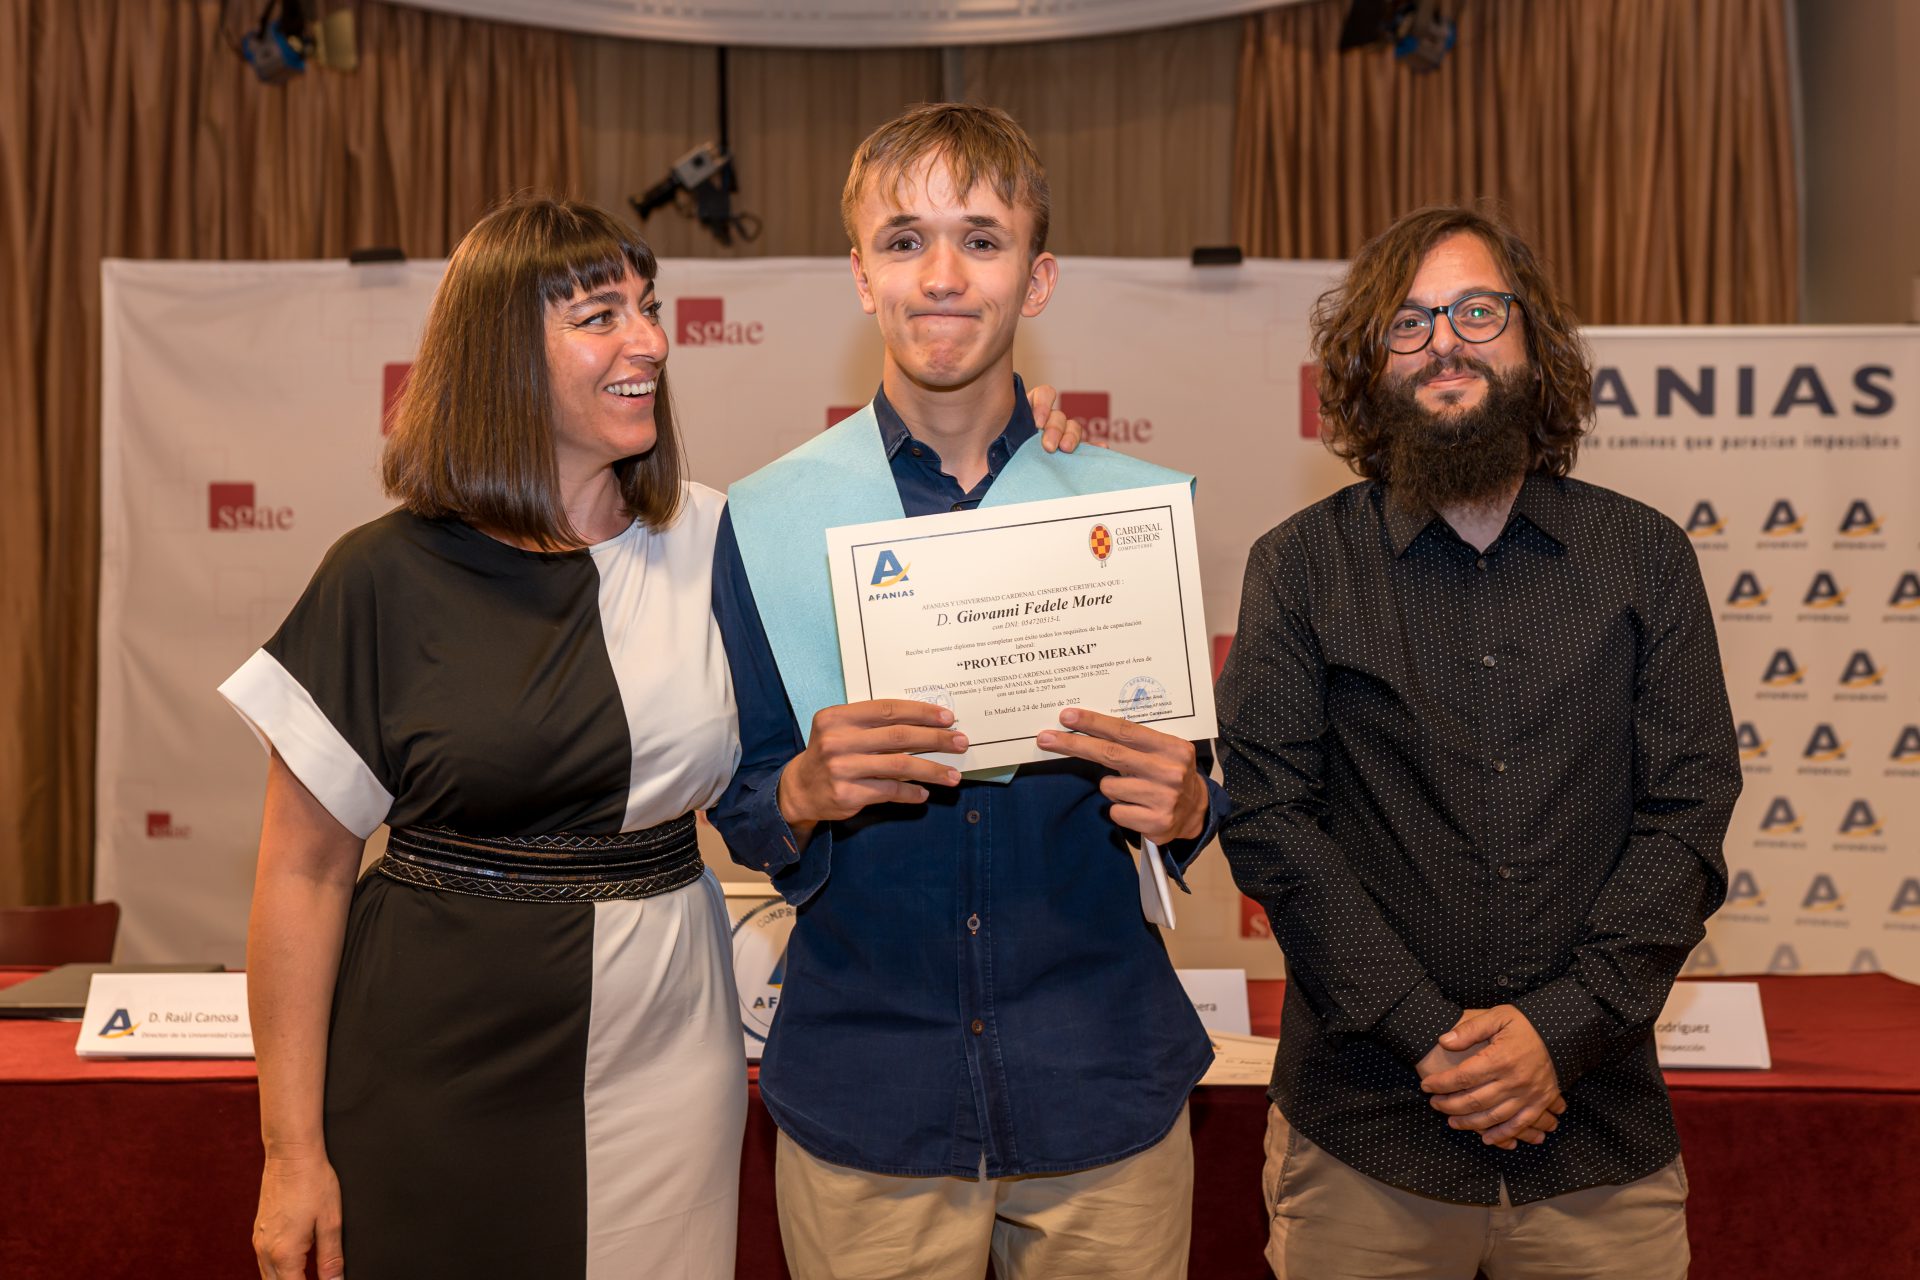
pixel 513 1047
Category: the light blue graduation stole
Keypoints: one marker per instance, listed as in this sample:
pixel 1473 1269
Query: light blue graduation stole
pixel 842 476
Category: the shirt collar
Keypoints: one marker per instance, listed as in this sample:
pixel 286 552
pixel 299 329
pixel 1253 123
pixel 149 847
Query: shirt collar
pixel 894 433
pixel 1542 500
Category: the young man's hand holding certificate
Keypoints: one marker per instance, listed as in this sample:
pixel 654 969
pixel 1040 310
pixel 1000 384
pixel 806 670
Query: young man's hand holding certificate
pixel 1083 612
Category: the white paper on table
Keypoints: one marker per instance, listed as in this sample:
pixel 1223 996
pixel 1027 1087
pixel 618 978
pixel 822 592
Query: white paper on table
pixel 1241 1059
pixel 1713 1024
pixel 166 1015
pixel 1008 615
pixel 1220 998
pixel 1156 894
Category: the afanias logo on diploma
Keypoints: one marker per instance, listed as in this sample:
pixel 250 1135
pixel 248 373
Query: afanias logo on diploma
pixel 889 575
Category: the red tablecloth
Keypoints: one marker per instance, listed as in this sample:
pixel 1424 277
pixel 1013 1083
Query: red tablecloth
pixel 1805 1172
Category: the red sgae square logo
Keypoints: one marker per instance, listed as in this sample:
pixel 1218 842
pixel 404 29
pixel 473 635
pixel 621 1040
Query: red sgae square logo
pixel 696 318
pixel 1253 919
pixel 1310 401
pixel 1088 406
pixel 1220 646
pixel 839 413
pixel 159 824
pixel 393 381
pixel 227 496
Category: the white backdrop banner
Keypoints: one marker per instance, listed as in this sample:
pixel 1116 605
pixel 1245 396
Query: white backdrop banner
pixel 1792 459
pixel 241 419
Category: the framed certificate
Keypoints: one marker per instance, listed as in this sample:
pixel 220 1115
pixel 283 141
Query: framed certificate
pixel 1008 614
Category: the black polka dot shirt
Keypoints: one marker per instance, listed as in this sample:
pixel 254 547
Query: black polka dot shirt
pixel 1461 780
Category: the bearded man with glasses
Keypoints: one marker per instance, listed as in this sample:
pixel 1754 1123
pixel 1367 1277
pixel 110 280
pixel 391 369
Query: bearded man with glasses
pixel 1481 762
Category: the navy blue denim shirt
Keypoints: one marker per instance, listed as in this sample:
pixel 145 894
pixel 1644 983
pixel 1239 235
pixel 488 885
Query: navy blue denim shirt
pixel 970 983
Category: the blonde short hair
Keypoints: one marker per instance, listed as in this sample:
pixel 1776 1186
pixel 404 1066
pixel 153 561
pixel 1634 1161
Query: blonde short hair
pixel 979 144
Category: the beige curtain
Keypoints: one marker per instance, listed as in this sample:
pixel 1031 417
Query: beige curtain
pixel 1645 146
pixel 1136 130
pixel 797 116
pixel 128 128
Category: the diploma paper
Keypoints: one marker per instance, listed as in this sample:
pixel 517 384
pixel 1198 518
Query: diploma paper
pixel 1010 614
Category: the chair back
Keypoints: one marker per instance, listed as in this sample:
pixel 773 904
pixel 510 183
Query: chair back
pixel 59 935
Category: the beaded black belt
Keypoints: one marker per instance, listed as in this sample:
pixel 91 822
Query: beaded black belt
pixel 555 868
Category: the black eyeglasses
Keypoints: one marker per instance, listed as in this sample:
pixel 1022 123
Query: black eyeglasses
pixel 1478 317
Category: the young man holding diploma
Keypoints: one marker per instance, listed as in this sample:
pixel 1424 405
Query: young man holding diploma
pixel 981 1046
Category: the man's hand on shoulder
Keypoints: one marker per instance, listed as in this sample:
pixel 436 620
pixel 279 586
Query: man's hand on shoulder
pixel 861 754
pixel 1155 787
pixel 1058 432
pixel 1492 1074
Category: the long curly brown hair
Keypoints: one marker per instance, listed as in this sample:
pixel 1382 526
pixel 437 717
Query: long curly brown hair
pixel 1350 342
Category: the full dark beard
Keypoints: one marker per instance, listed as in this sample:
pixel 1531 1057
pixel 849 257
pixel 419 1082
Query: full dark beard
pixel 1440 460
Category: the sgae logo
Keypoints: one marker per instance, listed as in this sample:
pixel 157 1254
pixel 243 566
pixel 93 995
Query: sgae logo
pixel 1704 522
pixel 1860 820
pixel 1859 522
pixel 231 509
pixel 1253 919
pixel 702 322
pixel 1782 669
pixel 1906 592
pixel 1752 745
pixel 1782 520
pixel 1860 672
pixel 1824 593
pixel 161 826
pixel 393 383
pixel 1825 744
pixel 1744 891
pixel 1822 895
pixel 1095 408
pixel 1747 592
pixel 118 1025
pixel 1780 816
pixel 887 570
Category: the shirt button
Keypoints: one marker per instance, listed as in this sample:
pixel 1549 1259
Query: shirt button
pixel 1499 766
pixel 1488 660
pixel 973 923
pixel 1506 873
pixel 1503 982
pixel 1481 564
pixel 978 1026
pixel 973 815
pixel 916 451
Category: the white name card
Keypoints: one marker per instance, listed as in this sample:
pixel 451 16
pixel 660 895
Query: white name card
pixel 1713 1024
pixel 1220 998
pixel 166 1015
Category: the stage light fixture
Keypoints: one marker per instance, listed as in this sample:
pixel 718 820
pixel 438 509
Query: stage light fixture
pixel 705 174
pixel 291 35
pixel 1420 36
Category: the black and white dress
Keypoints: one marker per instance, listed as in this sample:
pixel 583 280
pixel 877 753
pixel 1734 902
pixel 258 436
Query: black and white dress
pixel 520 1088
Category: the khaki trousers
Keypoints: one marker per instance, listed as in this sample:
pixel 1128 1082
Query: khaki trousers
pixel 1330 1222
pixel 1129 1220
